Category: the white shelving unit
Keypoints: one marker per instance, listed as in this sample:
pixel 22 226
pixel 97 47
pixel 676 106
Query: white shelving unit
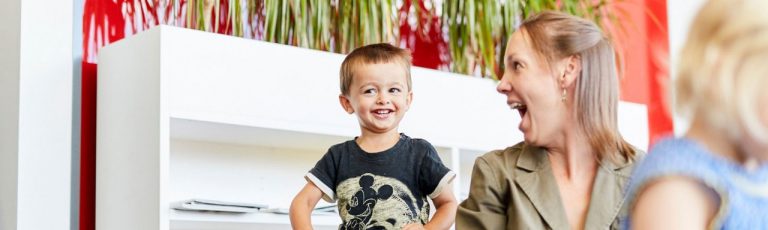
pixel 186 114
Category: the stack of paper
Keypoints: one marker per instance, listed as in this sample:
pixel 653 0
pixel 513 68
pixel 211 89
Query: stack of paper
pixel 321 210
pixel 215 205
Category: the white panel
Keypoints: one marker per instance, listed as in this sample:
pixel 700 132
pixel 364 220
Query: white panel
pixel 455 110
pixel 239 221
pixel 456 166
pixel 268 85
pixel 131 162
pixel 251 135
pixel 467 165
pixel 37 80
pixel 239 173
pixel 9 111
pixel 257 84
pixel 680 15
pixel 633 124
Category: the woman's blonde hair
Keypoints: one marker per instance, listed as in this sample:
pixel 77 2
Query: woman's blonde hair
pixel 558 35
pixel 724 67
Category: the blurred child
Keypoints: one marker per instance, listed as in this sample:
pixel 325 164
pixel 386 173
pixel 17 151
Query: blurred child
pixel 716 175
pixel 382 178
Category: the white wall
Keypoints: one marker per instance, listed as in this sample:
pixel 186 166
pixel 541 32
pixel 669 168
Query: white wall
pixel 36 118
pixel 680 14
pixel 9 110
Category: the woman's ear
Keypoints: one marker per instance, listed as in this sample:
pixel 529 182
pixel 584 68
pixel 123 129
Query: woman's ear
pixel 346 104
pixel 572 71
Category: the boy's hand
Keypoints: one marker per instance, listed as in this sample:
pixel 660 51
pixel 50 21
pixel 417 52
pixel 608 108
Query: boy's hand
pixel 413 226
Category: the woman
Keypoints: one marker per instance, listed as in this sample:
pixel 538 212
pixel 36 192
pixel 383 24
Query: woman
pixel 716 175
pixel 569 173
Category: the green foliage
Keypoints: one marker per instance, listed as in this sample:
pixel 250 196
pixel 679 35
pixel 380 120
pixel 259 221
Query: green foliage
pixel 476 30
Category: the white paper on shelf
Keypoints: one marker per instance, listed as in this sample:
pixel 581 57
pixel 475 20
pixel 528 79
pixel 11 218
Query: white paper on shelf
pixel 276 210
pixel 325 208
pixel 318 211
pixel 215 205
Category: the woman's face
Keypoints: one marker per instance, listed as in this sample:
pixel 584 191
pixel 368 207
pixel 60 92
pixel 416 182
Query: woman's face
pixel 533 90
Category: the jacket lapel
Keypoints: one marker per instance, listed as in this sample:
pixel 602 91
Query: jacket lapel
pixel 606 203
pixel 538 184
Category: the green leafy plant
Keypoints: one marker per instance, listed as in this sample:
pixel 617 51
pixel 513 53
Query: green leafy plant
pixel 303 23
pixel 338 26
pixel 478 29
pixel 475 31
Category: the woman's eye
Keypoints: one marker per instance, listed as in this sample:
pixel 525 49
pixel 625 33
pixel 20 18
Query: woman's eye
pixel 516 65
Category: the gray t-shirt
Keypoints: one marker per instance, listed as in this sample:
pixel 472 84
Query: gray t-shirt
pixel 384 190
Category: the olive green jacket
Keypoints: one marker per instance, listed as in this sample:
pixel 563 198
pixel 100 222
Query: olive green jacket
pixel 515 189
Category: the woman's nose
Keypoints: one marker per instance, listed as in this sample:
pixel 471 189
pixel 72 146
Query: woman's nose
pixel 503 87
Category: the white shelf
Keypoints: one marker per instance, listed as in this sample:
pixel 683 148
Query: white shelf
pixel 185 114
pixel 182 220
pixel 465 171
pixel 210 131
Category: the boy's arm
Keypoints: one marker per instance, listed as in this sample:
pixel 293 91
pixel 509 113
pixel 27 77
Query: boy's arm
pixel 302 206
pixel 446 209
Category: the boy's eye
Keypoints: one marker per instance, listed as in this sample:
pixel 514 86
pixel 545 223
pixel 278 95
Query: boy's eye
pixel 369 91
pixel 395 90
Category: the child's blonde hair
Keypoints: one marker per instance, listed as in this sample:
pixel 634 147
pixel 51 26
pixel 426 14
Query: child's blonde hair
pixel 724 68
pixel 373 54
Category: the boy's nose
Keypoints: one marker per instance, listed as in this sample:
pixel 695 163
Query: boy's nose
pixel 383 101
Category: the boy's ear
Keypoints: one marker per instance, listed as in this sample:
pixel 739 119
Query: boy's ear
pixel 346 104
pixel 408 100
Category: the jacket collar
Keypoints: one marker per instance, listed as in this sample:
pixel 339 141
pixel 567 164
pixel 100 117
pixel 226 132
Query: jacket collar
pixel 534 158
pixel 538 183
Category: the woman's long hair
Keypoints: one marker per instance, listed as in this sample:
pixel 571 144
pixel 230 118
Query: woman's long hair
pixel 558 35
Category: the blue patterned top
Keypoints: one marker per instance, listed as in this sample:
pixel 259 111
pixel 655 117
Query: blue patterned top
pixel 743 194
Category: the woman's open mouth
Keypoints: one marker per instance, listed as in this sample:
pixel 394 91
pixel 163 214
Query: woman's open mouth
pixel 521 108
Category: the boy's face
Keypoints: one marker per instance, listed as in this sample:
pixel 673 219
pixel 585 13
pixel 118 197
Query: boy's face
pixel 379 95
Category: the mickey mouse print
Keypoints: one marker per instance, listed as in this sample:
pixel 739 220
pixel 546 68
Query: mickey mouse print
pixel 378 202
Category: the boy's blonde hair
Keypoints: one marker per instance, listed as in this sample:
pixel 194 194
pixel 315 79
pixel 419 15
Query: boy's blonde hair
pixel 373 54
pixel 555 36
pixel 724 68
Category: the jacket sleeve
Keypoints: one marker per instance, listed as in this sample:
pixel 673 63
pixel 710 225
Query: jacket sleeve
pixel 486 206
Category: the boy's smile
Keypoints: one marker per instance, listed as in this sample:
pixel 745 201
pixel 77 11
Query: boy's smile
pixel 379 95
pixel 382 113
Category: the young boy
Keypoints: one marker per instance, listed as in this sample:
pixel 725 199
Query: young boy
pixel 382 178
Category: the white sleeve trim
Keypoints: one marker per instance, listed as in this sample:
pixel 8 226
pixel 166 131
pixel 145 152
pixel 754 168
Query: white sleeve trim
pixel 443 182
pixel 328 194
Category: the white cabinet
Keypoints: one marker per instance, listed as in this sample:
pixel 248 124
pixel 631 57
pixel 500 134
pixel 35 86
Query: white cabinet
pixel 186 114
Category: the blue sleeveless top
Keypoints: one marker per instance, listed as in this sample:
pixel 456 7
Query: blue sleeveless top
pixel 743 194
